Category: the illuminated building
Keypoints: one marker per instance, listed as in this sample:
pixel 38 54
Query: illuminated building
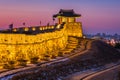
pixel 68 17
pixel 29 42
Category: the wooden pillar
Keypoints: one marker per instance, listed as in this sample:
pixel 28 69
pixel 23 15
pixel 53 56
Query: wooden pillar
pixel 60 20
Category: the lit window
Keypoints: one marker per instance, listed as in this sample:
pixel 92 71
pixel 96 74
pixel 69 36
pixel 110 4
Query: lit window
pixel 64 19
pixel 49 27
pixel 46 27
pixel 72 19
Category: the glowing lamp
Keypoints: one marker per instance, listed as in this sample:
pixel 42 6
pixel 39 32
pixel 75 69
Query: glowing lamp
pixel 14 30
pixel 26 29
pixel 33 28
pixel 40 28
pixel 58 26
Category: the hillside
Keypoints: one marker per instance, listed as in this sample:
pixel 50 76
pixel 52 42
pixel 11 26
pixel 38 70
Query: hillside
pixel 99 51
pixel 97 54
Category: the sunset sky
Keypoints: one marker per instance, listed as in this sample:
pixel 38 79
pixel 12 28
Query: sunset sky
pixel 97 15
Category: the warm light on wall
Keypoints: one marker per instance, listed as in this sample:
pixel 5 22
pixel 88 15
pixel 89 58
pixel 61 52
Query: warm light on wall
pixel 33 28
pixel 14 30
pixel 40 28
pixel 17 46
pixel 64 19
pixel 58 26
pixel 71 19
pixel 52 27
pixel 74 29
pixel 26 29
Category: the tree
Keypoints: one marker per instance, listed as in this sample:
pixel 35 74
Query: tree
pixel 117 45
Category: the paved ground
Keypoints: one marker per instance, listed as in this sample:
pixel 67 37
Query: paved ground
pixel 79 75
pixel 107 74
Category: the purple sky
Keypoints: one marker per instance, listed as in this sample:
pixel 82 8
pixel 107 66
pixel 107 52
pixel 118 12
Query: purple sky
pixel 97 15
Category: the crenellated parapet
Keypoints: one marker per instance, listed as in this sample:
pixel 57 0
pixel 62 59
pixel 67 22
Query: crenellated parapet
pixel 38 41
pixel 38 29
pixel 33 30
pixel 16 46
pixel 25 39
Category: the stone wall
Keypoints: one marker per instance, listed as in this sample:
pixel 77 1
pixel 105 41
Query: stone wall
pixel 74 29
pixel 17 46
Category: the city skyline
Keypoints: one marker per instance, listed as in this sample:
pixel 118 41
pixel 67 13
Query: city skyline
pixel 97 15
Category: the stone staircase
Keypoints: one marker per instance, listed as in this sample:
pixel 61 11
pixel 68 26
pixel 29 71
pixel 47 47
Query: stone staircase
pixel 76 44
pixel 71 45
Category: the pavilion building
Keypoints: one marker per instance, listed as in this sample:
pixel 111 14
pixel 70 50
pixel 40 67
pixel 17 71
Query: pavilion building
pixel 69 18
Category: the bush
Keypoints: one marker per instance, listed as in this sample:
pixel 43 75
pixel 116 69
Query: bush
pixel 60 54
pixel 53 56
pixel 118 76
pixel 22 62
pixel 34 60
pixel 45 58
pixel 9 65
pixel 117 45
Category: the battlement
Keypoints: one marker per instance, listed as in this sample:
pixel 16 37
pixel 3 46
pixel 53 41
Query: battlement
pixel 20 36
pixel 28 35
pixel 37 41
pixel 34 29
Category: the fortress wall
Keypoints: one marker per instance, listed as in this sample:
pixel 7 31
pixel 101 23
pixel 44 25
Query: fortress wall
pixel 74 29
pixel 23 38
pixel 16 46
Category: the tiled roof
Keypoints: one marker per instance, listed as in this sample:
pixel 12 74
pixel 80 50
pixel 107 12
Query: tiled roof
pixel 67 13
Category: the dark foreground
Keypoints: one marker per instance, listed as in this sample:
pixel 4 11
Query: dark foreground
pixel 98 54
